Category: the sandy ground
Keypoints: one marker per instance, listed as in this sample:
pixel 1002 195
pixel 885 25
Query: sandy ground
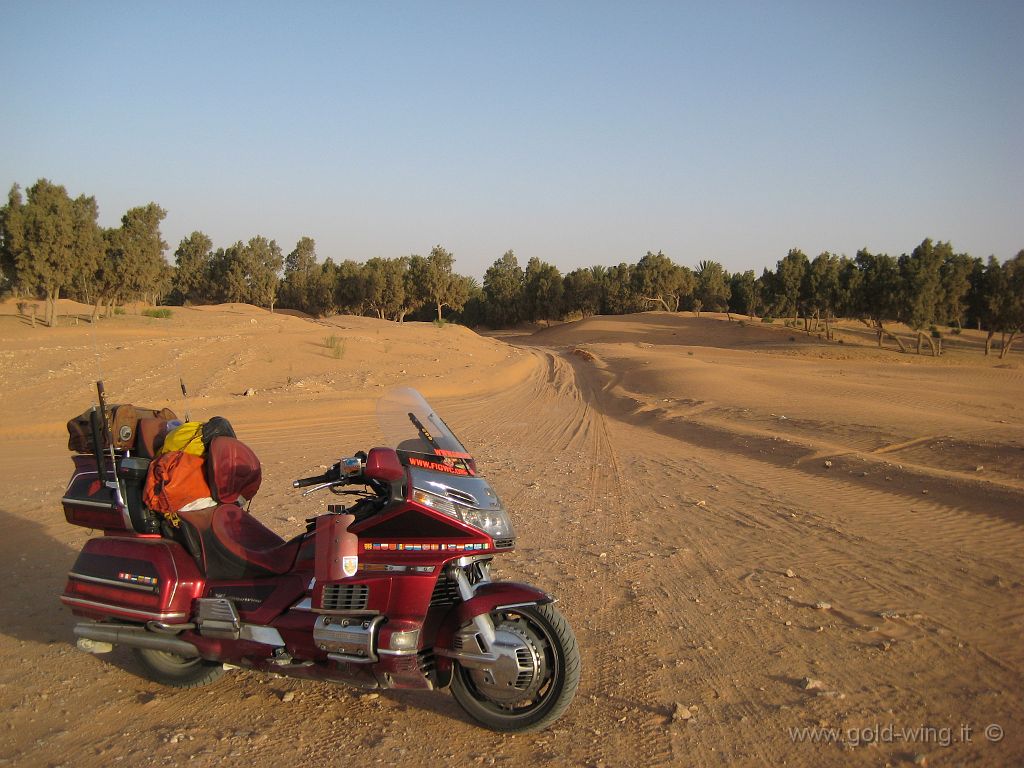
pixel 747 525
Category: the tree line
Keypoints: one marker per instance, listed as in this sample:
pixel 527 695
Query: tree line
pixel 52 246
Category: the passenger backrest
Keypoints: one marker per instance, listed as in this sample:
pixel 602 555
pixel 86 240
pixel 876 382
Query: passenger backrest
pixel 232 470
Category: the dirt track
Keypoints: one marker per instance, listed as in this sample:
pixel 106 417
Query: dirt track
pixel 705 554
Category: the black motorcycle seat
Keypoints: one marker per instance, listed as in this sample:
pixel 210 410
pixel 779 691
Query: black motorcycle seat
pixel 237 545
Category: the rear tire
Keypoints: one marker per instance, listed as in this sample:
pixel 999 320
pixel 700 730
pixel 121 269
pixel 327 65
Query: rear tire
pixel 556 645
pixel 177 671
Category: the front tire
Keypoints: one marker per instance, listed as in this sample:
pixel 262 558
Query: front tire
pixel 177 671
pixel 549 641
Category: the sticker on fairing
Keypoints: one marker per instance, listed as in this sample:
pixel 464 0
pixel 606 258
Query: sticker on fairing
pixel 350 565
pixel 440 467
pixel 453 454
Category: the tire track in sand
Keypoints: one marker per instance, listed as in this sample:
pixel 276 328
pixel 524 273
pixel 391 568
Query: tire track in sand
pixel 573 520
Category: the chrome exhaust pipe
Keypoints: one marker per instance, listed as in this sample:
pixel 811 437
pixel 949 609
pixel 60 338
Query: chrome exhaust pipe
pixel 135 637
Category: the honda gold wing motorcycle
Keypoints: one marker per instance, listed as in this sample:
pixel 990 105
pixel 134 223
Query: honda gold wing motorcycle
pixel 391 589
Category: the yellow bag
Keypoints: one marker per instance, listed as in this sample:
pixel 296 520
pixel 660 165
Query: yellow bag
pixel 188 438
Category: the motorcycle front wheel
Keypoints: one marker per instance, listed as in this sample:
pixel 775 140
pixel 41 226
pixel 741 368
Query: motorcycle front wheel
pixel 537 680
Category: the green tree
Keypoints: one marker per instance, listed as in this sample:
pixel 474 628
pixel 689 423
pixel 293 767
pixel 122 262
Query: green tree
pixel 745 293
pixel 712 289
pixel 921 283
pixel 659 281
pixel 247 272
pixel 542 291
pixel 386 288
pixel 582 292
pixel 320 298
pixel 228 274
pixel 503 287
pixel 302 273
pixel 877 295
pixel 956 287
pixel 137 250
pixel 474 311
pixel 106 280
pixel 437 282
pixel 90 244
pixel 192 260
pixel 263 260
pixel 12 239
pixel 822 290
pixel 1004 311
pixel 58 239
pixel 618 296
pixel 1013 303
pixel 414 279
pixel 789 279
pixel 351 288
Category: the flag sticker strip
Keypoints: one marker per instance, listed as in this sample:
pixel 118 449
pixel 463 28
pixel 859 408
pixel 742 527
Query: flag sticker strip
pixel 134 578
pixel 390 547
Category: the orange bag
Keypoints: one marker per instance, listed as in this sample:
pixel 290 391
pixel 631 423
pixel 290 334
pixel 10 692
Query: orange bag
pixel 175 480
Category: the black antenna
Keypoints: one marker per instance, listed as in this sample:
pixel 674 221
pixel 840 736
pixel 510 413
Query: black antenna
pixel 97 444
pixel 184 394
pixel 110 441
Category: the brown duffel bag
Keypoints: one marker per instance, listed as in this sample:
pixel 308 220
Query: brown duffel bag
pixel 123 420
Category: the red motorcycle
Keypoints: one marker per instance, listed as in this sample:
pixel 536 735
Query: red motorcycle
pixel 391 590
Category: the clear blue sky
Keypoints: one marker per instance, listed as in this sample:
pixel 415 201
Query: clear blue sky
pixel 578 132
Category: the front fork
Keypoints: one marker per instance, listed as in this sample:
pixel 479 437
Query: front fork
pixel 481 569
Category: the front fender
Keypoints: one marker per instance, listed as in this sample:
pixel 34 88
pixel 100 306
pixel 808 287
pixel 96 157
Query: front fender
pixel 492 595
pixel 489 596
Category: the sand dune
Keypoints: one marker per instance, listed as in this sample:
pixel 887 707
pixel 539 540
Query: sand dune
pixel 722 511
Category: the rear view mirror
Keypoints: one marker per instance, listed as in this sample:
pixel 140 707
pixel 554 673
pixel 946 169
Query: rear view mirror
pixel 383 464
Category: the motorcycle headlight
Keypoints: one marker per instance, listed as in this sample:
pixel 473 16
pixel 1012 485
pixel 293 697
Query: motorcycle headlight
pixel 494 522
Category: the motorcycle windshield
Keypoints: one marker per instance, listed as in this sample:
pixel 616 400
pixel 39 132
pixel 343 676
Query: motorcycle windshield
pixel 420 436
pixel 443 473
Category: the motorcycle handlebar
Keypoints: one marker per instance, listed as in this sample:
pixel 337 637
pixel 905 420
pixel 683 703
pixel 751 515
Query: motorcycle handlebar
pixel 331 475
pixel 347 470
pixel 302 482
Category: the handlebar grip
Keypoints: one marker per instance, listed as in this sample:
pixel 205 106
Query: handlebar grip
pixel 330 476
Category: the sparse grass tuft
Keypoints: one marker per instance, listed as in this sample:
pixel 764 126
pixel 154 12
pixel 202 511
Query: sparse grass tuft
pixel 161 313
pixel 337 346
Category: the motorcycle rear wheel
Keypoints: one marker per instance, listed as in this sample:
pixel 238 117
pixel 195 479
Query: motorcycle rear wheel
pixel 559 667
pixel 177 671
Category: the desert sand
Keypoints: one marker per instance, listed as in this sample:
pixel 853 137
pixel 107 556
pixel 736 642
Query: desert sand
pixel 752 530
